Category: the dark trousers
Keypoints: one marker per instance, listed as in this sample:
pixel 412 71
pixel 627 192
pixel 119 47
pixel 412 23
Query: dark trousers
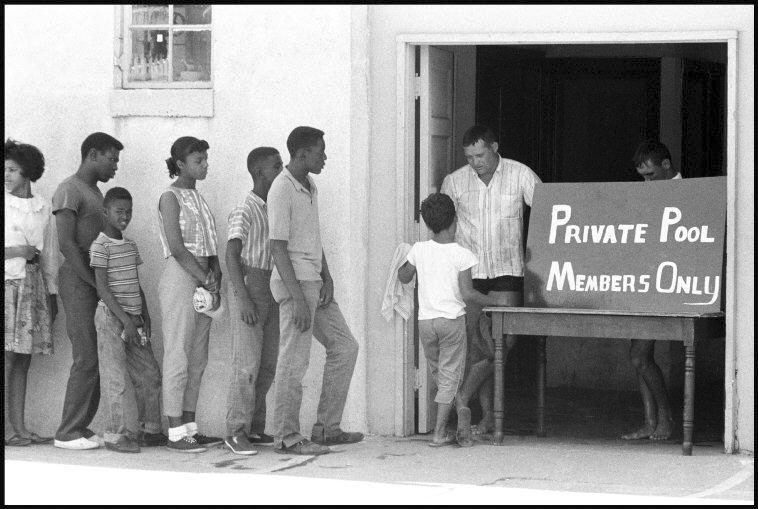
pixel 83 390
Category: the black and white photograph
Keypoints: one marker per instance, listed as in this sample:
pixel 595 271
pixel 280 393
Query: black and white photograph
pixel 397 254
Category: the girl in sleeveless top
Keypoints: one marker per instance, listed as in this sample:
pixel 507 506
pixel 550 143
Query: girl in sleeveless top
pixel 188 237
pixel 30 280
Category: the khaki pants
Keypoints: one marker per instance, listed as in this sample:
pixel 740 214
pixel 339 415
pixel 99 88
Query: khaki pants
pixel 185 339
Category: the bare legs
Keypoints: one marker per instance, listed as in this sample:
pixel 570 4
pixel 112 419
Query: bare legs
pixel 658 419
pixel 16 371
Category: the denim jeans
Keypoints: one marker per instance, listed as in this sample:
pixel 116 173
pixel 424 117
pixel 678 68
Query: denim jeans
pixel 444 343
pixel 328 326
pixel 83 389
pixel 185 339
pixel 254 352
pixel 119 359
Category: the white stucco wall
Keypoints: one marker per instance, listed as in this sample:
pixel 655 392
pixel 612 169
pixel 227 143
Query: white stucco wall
pixel 274 68
pixel 389 21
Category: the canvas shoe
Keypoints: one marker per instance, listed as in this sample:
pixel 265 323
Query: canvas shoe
pixel 207 441
pixel 185 444
pixel 78 444
pixel 239 444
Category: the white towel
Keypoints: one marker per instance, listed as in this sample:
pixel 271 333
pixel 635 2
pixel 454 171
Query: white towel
pixel 398 297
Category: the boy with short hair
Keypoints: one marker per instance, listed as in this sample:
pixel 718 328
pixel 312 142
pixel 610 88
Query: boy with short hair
pixel 444 288
pixel 123 331
pixel 255 313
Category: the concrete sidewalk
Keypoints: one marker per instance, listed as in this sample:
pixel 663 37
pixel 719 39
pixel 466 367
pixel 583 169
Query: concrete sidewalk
pixel 525 470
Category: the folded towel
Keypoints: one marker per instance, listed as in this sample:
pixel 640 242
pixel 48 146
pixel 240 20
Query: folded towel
pixel 398 297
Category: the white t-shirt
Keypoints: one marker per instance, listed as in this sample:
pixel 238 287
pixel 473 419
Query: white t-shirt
pixel 437 268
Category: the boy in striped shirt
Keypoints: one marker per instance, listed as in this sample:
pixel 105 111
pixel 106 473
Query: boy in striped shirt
pixel 254 312
pixel 123 328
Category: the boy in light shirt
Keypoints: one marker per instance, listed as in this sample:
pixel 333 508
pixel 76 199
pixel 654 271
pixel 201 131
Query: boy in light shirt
pixel 444 287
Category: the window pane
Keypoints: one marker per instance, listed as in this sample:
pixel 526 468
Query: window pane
pixel 149 14
pixel 149 56
pixel 194 14
pixel 192 56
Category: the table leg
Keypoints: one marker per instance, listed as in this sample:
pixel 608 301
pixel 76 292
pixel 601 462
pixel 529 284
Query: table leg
pixel 498 337
pixel 541 383
pixel 689 398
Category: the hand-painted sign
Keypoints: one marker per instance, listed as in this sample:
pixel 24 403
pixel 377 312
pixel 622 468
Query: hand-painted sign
pixel 653 246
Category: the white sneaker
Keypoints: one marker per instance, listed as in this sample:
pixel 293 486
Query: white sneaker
pixel 78 444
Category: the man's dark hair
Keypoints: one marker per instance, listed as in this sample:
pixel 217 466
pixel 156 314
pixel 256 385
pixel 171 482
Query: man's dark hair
pixel 476 133
pixel 259 154
pixel 100 142
pixel 652 150
pixel 303 137
pixel 116 193
pixel 28 157
pixel 438 211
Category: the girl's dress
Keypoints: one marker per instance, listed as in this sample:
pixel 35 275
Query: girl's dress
pixel 27 283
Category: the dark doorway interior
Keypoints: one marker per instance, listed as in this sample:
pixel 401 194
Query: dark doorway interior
pixel 575 113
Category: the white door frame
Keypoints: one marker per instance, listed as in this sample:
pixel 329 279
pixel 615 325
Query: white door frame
pixel 405 44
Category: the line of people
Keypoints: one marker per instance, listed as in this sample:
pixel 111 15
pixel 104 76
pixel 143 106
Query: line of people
pixel 281 295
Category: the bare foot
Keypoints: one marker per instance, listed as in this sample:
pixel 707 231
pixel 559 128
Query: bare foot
pixel 664 430
pixel 643 432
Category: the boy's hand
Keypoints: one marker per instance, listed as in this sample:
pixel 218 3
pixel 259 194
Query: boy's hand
pixel 26 251
pixel 53 304
pixel 131 334
pixel 146 326
pixel 326 294
pixel 248 311
pixel 302 314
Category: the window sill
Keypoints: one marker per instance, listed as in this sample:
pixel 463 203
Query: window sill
pixel 155 102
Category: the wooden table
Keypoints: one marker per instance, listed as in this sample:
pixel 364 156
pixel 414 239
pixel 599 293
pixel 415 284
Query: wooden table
pixel 592 323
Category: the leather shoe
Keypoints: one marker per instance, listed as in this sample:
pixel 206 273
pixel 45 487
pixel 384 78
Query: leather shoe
pixel 345 437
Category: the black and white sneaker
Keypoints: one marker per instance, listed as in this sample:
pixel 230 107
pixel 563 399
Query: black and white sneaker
pixel 207 441
pixel 185 444
pixel 239 444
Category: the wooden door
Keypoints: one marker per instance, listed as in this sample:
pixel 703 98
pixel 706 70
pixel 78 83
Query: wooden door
pixel 435 91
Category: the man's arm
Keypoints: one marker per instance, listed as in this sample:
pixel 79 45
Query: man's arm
pixel 327 289
pixel 284 266
pixel 65 222
pixel 147 325
pixel 101 278
pixel 248 311
pixel 406 272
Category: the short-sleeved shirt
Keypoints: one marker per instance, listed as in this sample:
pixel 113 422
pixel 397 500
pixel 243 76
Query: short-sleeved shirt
pixel 195 222
pixel 120 258
pixel 87 203
pixel 249 223
pixel 491 217
pixel 437 269
pixel 293 216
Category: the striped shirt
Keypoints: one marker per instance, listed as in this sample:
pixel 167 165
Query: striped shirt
pixel 249 223
pixel 195 222
pixel 491 217
pixel 120 258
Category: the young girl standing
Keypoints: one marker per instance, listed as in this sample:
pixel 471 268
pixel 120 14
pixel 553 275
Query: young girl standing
pixel 30 280
pixel 188 236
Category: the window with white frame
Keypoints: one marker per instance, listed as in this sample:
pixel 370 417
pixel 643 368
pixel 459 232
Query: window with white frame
pixel 167 46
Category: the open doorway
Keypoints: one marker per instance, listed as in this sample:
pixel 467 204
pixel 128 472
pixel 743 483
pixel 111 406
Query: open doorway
pixel 575 113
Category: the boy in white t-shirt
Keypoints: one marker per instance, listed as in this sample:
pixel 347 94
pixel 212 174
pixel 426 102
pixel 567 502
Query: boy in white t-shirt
pixel 444 288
